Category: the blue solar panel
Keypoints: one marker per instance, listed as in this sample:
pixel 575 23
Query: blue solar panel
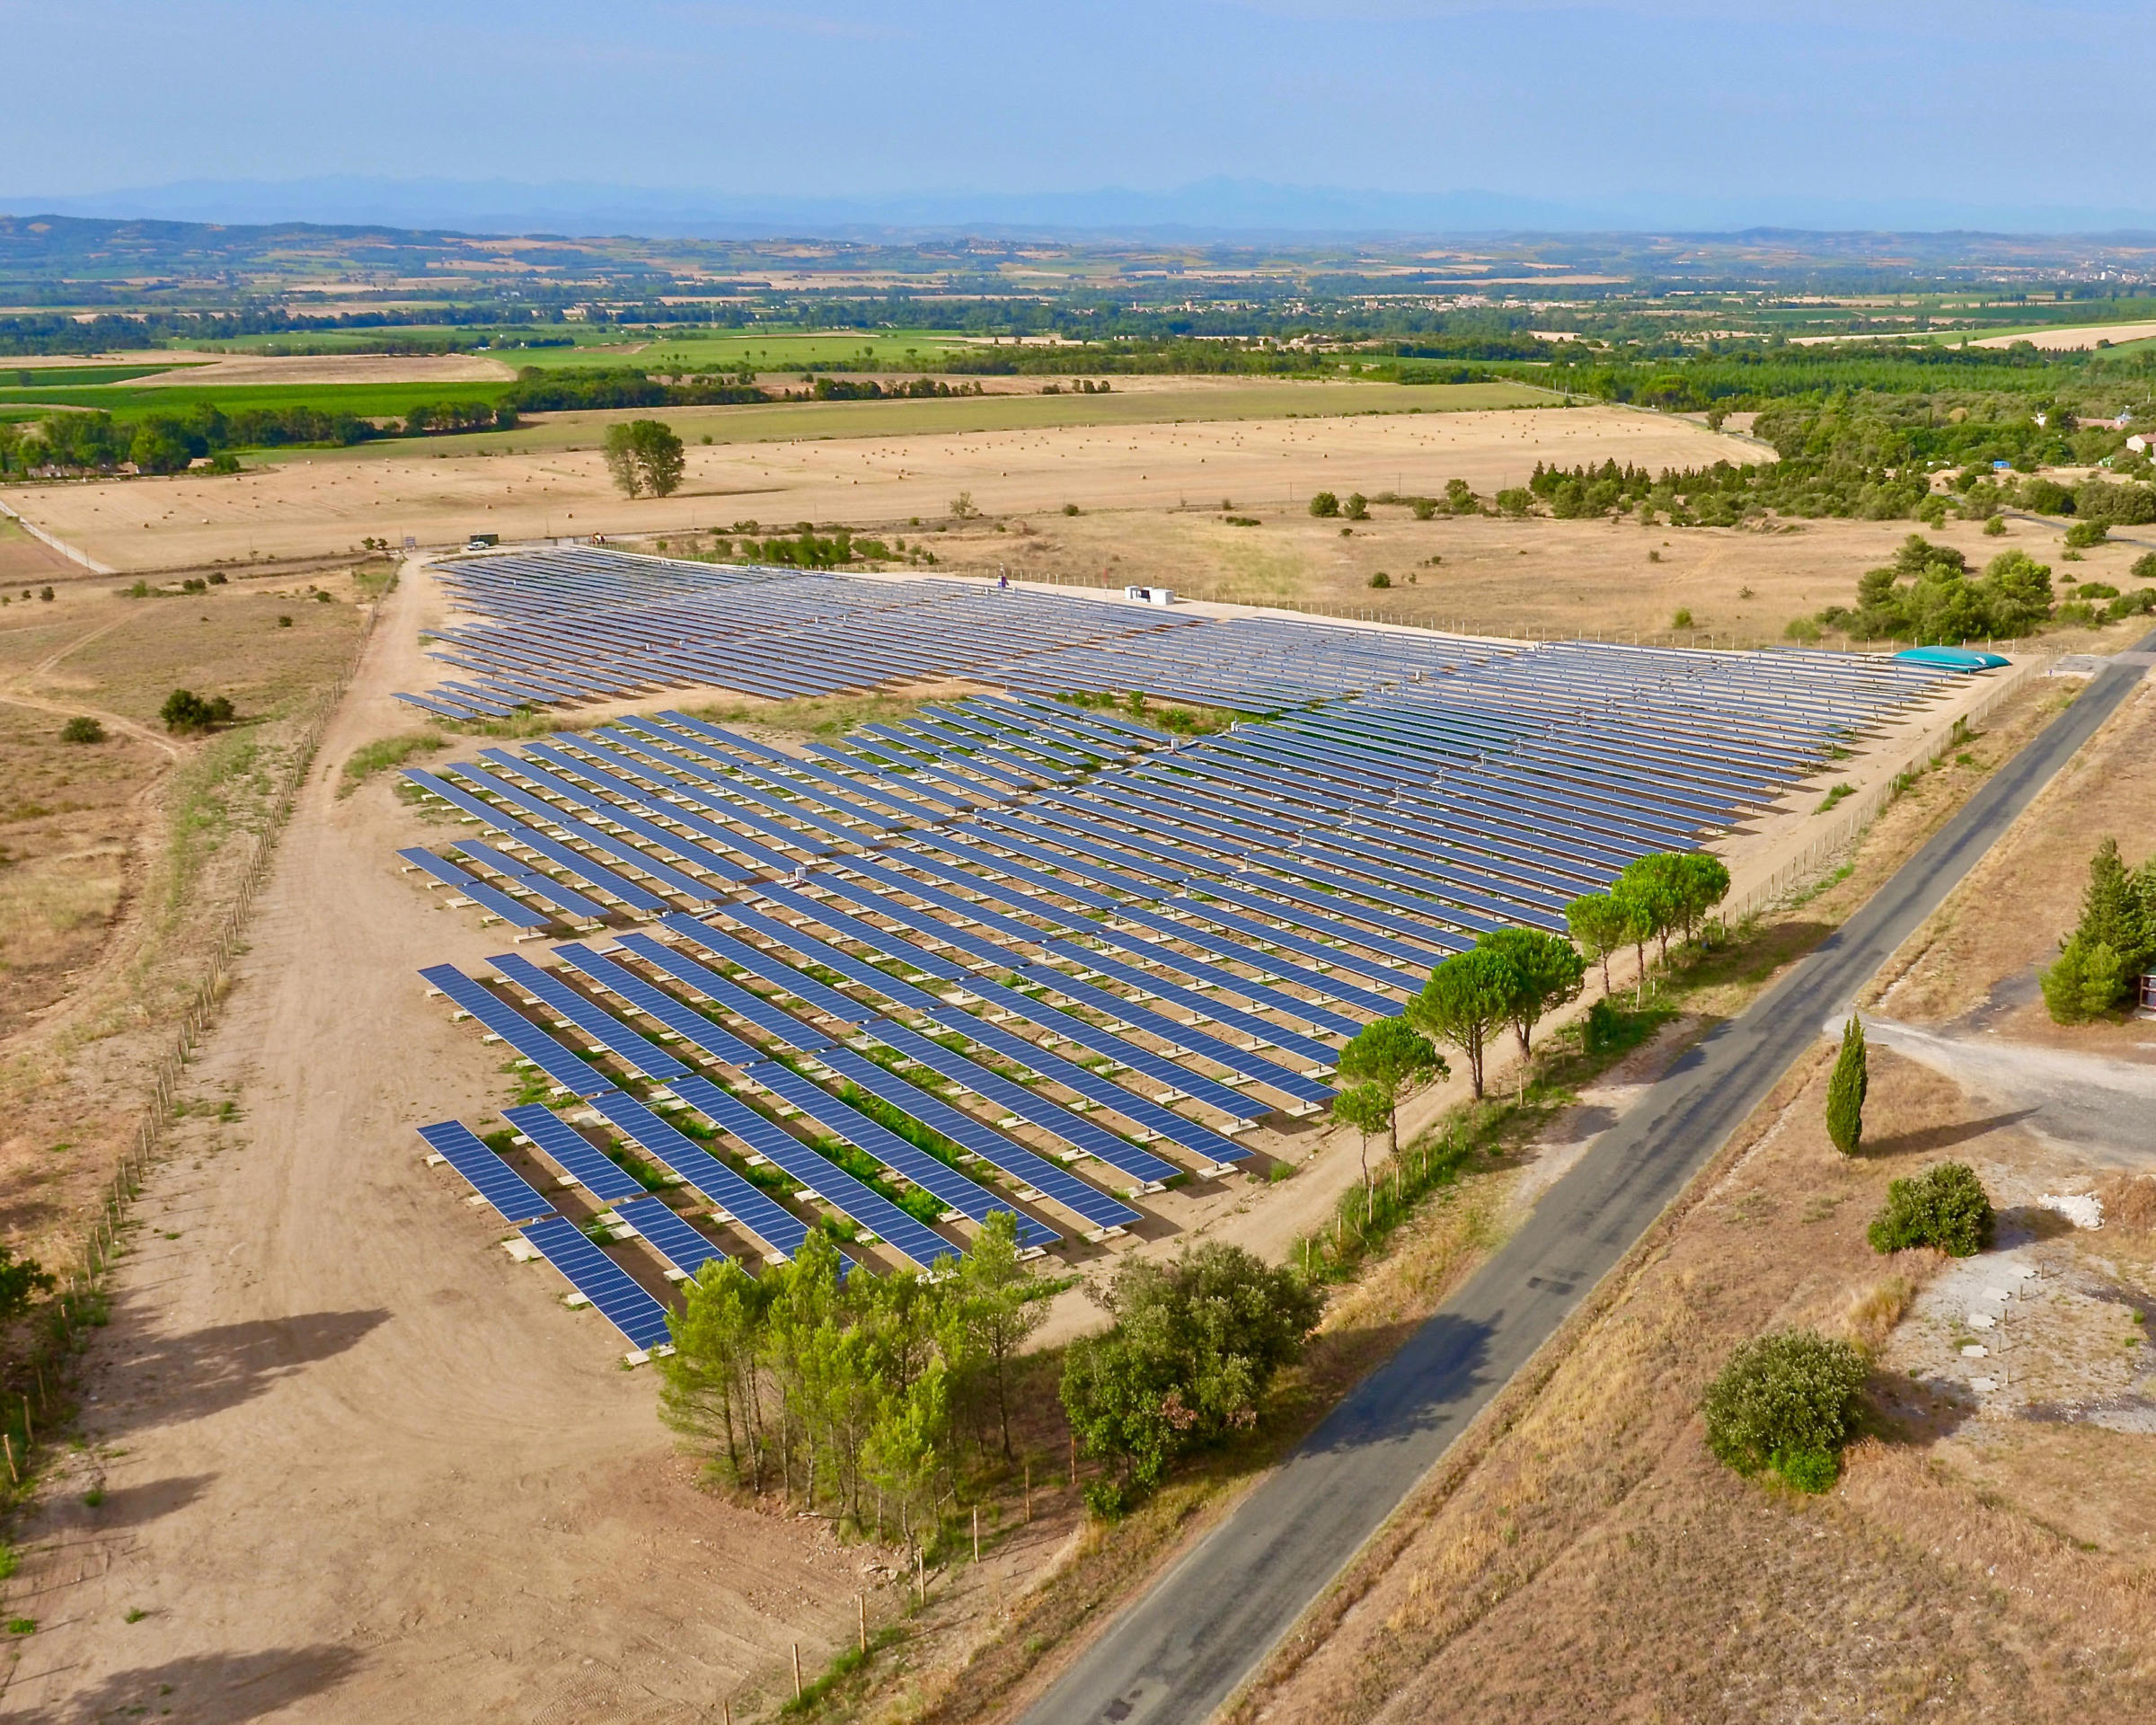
pixel 930 1173
pixel 574 1075
pixel 512 1197
pixel 910 1239
pixel 739 1200
pixel 1266 1033
pixel 728 994
pixel 1148 1116
pixel 581 1159
pixel 641 1052
pixel 1214 1094
pixel 1184 1038
pixel 1024 1104
pixel 991 1146
pixel 600 1279
pixel 831 957
pixel 684 1248
pixel 678 1017
pixel 489 897
pixel 763 966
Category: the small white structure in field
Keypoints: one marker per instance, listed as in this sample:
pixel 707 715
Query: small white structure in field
pixel 1150 595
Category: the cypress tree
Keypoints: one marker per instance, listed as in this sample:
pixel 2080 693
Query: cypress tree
pixel 1846 1091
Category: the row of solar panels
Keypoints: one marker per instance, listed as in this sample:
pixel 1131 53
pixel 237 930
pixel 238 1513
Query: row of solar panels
pixel 581 625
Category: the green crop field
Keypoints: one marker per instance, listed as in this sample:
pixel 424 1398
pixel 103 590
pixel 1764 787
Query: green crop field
pixel 363 400
pixel 700 350
pixel 75 377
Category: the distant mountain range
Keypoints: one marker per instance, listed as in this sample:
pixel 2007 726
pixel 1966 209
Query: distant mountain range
pixel 1218 209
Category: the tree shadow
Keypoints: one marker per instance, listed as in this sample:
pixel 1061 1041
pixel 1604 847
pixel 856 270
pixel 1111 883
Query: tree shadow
pixel 1576 1125
pixel 213 1689
pixel 1941 1138
pixel 1905 1409
pixel 207 1371
pixel 1440 1365
pixel 131 1505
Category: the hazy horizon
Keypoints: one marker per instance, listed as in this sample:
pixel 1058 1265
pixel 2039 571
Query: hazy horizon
pixel 1400 114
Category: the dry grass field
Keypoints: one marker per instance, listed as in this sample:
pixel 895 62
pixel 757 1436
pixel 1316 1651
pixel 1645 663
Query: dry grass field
pixel 863 464
pixel 120 855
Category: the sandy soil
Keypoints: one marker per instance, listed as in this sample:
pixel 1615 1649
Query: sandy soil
pixel 328 502
pixel 355 1462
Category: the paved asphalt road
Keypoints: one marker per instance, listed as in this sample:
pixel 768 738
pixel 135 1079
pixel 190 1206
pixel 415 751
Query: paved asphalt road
pixel 1178 1652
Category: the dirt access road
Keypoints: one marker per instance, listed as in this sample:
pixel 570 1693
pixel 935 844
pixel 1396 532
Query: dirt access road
pixel 1183 1648
pixel 355 1463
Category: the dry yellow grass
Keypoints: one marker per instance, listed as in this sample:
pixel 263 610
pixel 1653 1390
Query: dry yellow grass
pixel 867 468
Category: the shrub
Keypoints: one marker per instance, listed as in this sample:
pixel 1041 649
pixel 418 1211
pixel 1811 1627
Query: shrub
pixel 1995 527
pixel 1356 508
pixel 1381 580
pixel 2083 534
pixel 2145 567
pixel 1786 1402
pixel 82 728
pixel 1944 1206
pixel 1802 629
pixel 1514 501
pixel 185 711
pixel 1324 504
pixel 1425 507
pixel 1683 619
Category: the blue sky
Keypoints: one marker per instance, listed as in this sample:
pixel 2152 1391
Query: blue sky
pixel 1752 107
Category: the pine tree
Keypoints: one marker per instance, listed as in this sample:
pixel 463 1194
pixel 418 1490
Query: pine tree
pixel 1846 1091
pixel 2112 914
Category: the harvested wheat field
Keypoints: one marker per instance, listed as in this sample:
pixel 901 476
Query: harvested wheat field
pixel 1530 577
pixel 862 464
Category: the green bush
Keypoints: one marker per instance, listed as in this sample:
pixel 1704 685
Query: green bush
pixel 1324 504
pixel 2084 533
pixel 1356 508
pixel 1944 1206
pixel 2145 567
pixel 1381 580
pixel 1785 1402
pixel 1195 1346
pixel 185 711
pixel 82 728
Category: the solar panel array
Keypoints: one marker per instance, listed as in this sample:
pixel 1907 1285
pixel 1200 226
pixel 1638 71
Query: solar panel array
pixel 1007 955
